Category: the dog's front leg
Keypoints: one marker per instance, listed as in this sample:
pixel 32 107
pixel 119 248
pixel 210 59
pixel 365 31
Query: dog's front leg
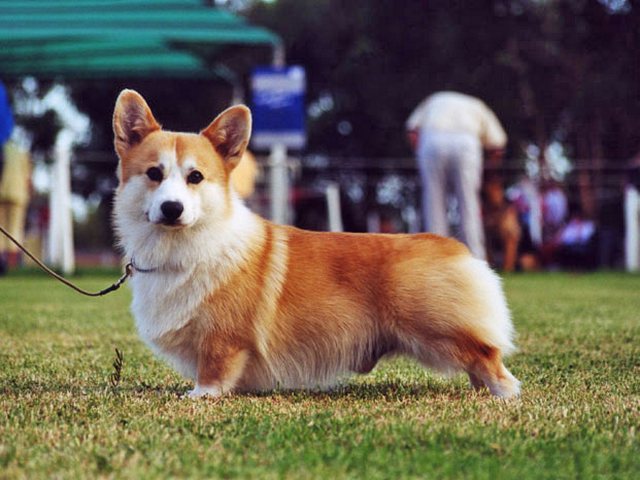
pixel 219 368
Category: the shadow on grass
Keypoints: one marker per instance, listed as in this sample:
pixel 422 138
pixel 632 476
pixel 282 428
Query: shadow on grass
pixel 32 387
pixel 390 390
pixel 383 390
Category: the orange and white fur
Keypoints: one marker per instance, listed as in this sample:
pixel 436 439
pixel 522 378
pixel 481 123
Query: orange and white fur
pixel 237 303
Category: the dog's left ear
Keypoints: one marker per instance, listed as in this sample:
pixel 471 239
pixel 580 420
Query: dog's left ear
pixel 229 134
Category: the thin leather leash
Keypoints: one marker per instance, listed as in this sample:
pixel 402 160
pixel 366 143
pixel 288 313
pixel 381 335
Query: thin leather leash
pixel 128 270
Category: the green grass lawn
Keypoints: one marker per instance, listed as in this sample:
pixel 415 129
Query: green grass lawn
pixel 578 417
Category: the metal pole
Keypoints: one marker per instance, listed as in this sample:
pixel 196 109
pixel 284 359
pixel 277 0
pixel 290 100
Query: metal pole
pixel 279 56
pixel 279 174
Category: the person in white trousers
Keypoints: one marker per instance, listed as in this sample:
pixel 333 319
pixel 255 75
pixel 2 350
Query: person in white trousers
pixel 448 132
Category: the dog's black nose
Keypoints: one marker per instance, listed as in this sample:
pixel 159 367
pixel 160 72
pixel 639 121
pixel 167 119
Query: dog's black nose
pixel 171 210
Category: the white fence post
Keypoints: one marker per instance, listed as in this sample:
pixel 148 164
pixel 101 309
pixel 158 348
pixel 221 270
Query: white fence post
pixel 332 193
pixel 279 184
pixel 632 228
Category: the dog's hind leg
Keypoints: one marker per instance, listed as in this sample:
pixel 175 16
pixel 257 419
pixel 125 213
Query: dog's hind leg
pixel 460 351
pixel 475 381
pixel 488 370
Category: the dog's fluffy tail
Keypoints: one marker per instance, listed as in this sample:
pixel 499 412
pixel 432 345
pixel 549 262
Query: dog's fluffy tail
pixel 492 322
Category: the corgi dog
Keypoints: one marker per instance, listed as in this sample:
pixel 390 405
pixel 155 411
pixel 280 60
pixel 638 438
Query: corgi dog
pixel 239 304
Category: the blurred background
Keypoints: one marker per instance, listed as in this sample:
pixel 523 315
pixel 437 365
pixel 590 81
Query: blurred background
pixel 331 84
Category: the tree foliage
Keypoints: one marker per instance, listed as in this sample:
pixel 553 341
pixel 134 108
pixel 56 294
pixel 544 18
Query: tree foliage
pixel 552 69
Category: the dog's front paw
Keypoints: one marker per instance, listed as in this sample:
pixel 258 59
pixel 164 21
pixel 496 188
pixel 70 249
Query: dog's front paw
pixel 199 391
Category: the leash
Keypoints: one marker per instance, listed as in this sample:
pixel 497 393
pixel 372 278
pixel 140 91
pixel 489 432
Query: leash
pixel 128 269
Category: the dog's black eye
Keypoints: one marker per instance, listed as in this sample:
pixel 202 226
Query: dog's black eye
pixel 155 174
pixel 195 177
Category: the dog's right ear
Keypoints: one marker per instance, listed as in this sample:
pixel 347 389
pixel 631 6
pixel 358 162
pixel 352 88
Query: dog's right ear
pixel 132 121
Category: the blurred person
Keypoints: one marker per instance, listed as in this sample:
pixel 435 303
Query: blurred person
pixel 15 186
pixel 573 245
pixel 501 224
pixel 448 132
pixel 555 209
pixel 525 198
pixel 6 127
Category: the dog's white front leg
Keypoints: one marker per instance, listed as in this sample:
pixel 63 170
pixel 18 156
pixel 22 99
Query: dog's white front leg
pixel 219 368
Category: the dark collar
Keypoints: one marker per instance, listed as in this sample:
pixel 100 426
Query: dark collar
pixel 141 270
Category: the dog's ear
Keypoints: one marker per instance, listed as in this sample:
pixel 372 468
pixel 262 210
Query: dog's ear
pixel 229 134
pixel 132 121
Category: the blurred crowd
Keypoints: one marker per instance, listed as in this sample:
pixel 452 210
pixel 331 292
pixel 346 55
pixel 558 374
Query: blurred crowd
pixel 459 145
pixel 526 226
pixel 529 227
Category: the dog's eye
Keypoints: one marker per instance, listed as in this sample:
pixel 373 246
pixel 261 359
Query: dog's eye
pixel 155 174
pixel 195 177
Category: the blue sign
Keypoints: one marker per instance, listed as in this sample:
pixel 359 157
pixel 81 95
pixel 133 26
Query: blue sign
pixel 278 107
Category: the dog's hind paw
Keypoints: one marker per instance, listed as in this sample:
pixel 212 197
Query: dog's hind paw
pixel 200 391
pixel 507 387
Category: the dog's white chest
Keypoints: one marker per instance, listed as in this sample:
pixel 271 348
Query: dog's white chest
pixel 166 301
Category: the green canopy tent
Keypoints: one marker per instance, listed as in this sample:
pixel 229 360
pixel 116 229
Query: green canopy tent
pixel 90 38
pixel 85 39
